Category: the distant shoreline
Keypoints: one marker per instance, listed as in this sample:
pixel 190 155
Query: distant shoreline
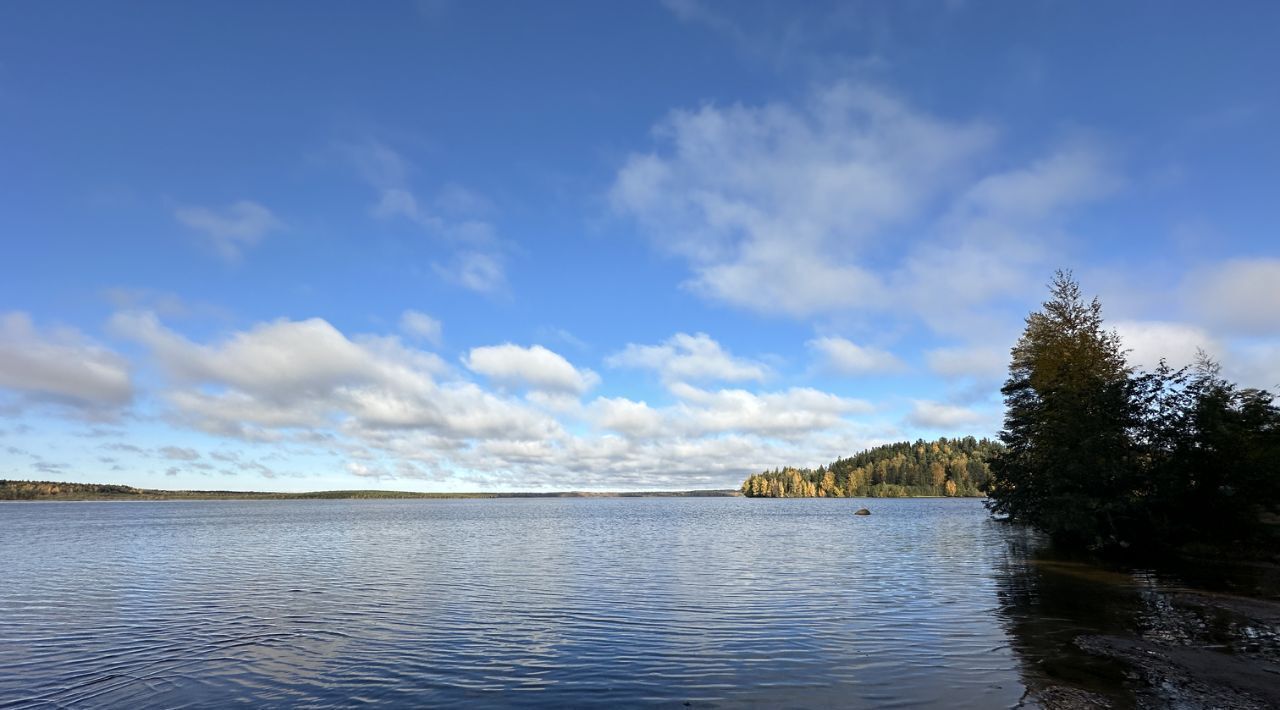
pixel 46 491
pixel 13 491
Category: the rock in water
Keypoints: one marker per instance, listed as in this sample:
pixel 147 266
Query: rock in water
pixel 862 511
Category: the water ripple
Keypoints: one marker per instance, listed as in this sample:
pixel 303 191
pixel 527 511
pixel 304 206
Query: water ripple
pixel 710 602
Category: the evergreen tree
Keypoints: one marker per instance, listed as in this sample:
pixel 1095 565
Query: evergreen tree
pixel 1067 467
pixel 1099 456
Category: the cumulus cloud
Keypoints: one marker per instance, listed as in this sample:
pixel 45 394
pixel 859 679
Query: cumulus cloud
pixel 307 374
pixel 784 413
pixel 419 325
pixel 1241 296
pixel 388 411
pixel 281 360
pixel 61 366
pixel 535 367
pixel 232 229
pixel 627 417
pixel 689 358
pixel 849 358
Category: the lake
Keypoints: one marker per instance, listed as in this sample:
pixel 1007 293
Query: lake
pixel 666 601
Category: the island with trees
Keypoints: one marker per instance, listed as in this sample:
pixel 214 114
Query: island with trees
pixel 945 467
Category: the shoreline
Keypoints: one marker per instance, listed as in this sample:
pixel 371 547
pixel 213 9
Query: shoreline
pixel 172 496
pixel 148 496
pixel 156 496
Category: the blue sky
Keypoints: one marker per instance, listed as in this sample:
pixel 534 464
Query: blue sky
pixel 462 246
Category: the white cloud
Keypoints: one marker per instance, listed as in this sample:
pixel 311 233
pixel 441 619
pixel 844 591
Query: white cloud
pixel 786 413
pixel 535 367
pixel 61 366
pixel 996 240
pixel 980 362
pixel 420 325
pixel 937 415
pixel 482 272
pixel 1074 175
pixel 232 229
pixel 281 360
pixel 1239 297
pixel 388 411
pixel 1256 365
pixel 781 208
pixel 453 214
pixel 1148 341
pixel 306 375
pixel 848 358
pixel 689 358
pixel 363 470
pixel 627 417
pixel 773 205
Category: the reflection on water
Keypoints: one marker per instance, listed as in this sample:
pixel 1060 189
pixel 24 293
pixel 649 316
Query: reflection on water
pixel 1185 627
pixel 790 603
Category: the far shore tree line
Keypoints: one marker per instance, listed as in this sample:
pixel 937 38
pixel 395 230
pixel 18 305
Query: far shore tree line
pixel 945 467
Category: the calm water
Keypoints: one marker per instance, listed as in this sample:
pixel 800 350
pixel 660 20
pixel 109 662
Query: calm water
pixel 574 602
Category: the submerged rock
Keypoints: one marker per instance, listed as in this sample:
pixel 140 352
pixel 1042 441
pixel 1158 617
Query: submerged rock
pixel 862 511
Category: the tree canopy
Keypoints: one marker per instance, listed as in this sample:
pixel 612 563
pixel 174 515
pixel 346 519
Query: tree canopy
pixel 1099 455
pixel 946 467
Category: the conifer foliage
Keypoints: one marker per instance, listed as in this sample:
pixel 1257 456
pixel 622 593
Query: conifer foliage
pixel 1098 455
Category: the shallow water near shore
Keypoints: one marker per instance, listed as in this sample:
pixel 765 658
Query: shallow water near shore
pixel 705 602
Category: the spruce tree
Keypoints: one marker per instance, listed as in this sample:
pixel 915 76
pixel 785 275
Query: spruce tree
pixel 1068 464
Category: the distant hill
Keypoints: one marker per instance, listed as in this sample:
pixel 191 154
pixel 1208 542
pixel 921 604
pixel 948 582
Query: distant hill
pixel 946 467
pixel 52 490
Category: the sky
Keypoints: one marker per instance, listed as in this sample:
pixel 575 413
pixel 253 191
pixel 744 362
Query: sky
pixel 457 246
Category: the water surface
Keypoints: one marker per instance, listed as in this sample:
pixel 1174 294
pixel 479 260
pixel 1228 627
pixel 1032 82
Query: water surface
pixel 709 602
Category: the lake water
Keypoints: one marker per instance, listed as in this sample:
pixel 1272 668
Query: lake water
pixel 575 602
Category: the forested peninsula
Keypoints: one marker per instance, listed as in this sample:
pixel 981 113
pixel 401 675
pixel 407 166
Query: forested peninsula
pixel 945 467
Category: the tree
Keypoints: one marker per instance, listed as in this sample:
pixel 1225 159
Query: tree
pixel 1067 463
pixel 1213 454
pixel 1100 456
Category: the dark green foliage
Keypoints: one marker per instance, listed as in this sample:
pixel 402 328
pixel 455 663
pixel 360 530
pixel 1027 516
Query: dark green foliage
pixel 1210 460
pixel 1068 415
pixel 1099 456
pixel 946 467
